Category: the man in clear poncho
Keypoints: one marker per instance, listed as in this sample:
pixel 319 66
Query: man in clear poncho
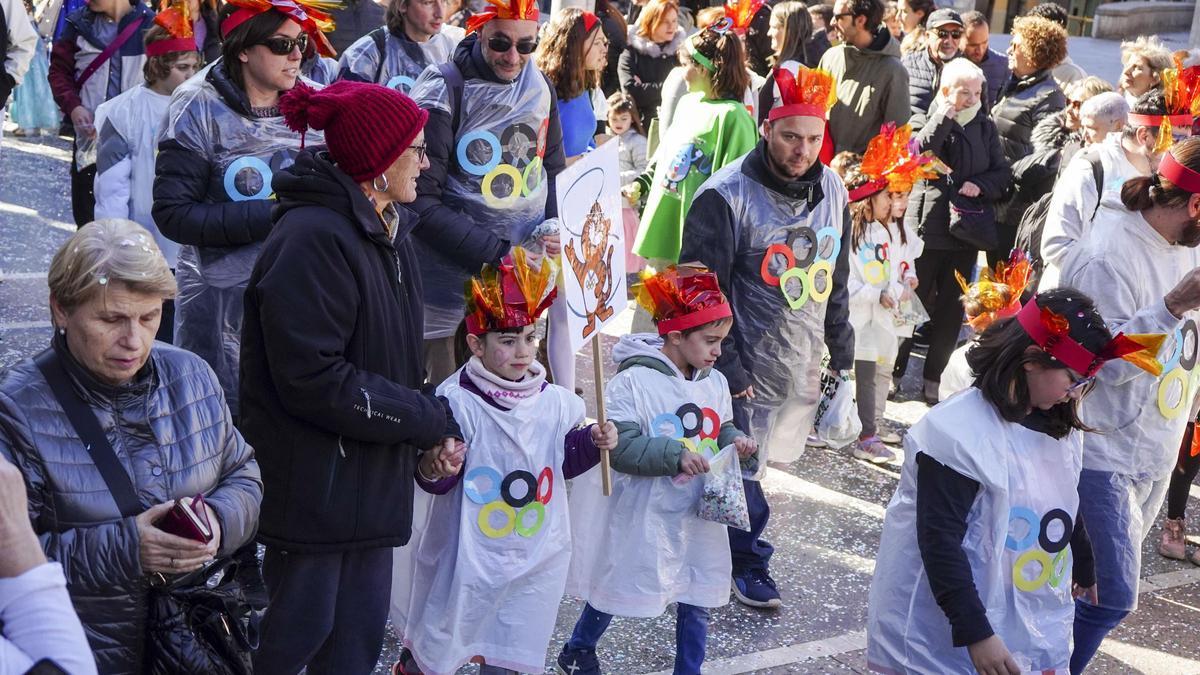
pixel 773 227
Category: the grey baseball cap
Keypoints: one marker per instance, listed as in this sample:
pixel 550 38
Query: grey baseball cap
pixel 943 17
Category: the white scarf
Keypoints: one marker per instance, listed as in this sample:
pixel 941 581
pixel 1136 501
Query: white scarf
pixel 965 116
pixel 506 393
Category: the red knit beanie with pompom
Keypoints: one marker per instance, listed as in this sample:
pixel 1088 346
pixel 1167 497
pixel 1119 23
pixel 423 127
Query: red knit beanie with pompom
pixel 367 126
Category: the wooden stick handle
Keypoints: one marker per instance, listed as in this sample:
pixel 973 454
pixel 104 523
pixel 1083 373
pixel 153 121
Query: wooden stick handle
pixel 601 418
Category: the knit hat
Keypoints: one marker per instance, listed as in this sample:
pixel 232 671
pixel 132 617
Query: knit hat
pixel 367 126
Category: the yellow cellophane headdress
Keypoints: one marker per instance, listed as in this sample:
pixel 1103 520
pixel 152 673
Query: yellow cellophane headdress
pixel 521 10
pixel 1181 93
pixel 997 294
pixel 512 296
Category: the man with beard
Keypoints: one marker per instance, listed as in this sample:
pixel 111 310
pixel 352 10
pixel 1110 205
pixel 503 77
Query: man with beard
pixel 1142 271
pixel 773 227
pixel 942 33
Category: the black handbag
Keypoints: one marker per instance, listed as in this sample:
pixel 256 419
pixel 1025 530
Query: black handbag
pixel 196 621
pixel 973 222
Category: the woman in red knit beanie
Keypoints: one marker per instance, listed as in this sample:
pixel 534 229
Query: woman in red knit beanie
pixel 331 376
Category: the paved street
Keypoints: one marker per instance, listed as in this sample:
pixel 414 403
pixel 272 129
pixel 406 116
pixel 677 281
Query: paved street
pixel 827 507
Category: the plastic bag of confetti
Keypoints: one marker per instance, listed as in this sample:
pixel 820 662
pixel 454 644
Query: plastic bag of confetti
pixel 724 499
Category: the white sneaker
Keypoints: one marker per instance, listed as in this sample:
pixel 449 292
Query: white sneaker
pixel 890 437
pixel 873 450
pixel 814 441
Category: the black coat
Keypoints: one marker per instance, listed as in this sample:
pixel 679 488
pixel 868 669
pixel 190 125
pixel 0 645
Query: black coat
pixel 610 82
pixel 973 154
pixel 332 366
pixel 1023 105
pixel 643 67
pixel 924 77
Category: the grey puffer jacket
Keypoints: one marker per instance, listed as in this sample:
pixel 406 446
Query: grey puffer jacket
pixel 172 432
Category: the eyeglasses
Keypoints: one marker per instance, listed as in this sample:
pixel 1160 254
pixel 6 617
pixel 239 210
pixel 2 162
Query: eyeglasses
pixel 503 43
pixel 1083 383
pixel 951 34
pixel 838 16
pixel 420 151
pixel 282 46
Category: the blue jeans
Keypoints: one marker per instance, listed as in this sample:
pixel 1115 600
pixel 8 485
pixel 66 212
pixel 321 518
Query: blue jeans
pixel 1092 623
pixel 748 550
pixel 691 634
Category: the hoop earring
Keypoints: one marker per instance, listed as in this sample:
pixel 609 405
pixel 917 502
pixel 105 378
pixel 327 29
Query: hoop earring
pixel 375 183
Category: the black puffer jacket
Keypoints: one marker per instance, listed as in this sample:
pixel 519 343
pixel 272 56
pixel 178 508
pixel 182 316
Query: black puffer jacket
pixel 644 66
pixel 172 432
pixel 923 79
pixel 331 367
pixel 973 154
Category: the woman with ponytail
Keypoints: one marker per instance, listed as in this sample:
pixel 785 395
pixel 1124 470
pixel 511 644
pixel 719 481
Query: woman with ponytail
pixel 1142 272
pixel 711 128
pixel 332 365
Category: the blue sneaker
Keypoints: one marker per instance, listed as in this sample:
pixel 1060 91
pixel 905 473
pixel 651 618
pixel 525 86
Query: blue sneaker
pixel 578 662
pixel 756 588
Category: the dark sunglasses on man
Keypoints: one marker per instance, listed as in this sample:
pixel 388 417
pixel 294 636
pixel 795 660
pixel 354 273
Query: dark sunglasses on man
pixel 282 46
pixel 949 34
pixel 503 43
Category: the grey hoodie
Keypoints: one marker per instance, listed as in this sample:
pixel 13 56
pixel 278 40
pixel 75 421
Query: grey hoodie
pixel 872 88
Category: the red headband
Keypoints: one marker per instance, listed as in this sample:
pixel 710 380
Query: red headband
pixel 1051 332
pixel 1179 175
pixel 867 189
pixel 1140 120
pixel 697 318
pixel 162 47
pixel 589 22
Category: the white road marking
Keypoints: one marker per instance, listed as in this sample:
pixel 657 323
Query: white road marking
pixel 15 143
pixel 21 276
pixel 6 207
pixel 24 325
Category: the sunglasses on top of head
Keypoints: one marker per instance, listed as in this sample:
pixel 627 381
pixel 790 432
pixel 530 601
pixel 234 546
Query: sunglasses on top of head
pixel 282 46
pixel 503 43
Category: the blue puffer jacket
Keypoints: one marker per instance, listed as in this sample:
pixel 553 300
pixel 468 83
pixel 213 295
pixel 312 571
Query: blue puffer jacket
pixel 171 431
pixel 923 79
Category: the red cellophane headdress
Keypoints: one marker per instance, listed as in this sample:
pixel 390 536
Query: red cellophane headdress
pixel 1052 332
pixel 682 297
pixel 1181 93
pixel 513 296
pixel 311 15
pixel 739 14
pixel 521 10
pixel 997 294
pixel 892 162
pixel 176 20
pixel 806 93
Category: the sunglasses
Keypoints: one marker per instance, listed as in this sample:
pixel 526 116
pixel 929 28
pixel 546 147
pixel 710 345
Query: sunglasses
pixel 282 46
pixel 952 34
pixel 502 43
pixel 420 149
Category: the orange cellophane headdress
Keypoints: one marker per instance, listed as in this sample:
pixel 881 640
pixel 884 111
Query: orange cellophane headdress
pixel 808 92
pixel 739 14
pixel 1181 93
pixel 520 10
pixel 997 294
pixel 311 15
pixel 512 296
pixel 176 20
pixel 892 162
pixel 681 297
pixel 1052 332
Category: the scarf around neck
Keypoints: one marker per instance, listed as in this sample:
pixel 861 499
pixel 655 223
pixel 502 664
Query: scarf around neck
pixel 505 393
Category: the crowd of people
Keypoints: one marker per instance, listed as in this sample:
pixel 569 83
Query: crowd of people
pixel 310 371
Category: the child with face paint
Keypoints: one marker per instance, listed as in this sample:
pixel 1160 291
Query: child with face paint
pixel 489 563
pixel 645 547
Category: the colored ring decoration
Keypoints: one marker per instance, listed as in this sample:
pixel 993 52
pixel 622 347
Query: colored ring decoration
pixel 1188 361
pixel 1168 410
pixel 1042 558
pixel 547 474
pixel 809 234
pixel 1176 351
pixel 518 143
pixel 772 251
pixel 543 131
pixel 401 81
pixel 816 268
pixel 502 202
pixel 485 523
pixel 1044 532
pixel 709 444
pixel 236 167
pixel 1061 568
pixel 689 444
pixel 1022 513
pixel 667 418
pixel 466 163
pixel 532 169
pixel 881 252
pixel 710 415
pixel 471 486
pixel 834 235
pixel 506 488
pixel 873 273
pixel 690 409
pixel 519 524
pixel 799 274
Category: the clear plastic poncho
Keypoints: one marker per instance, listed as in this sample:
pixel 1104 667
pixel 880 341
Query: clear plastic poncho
pixel 1017 543
pixel 497 177
pixel 403 60
pixel 781 280
pixel 243 154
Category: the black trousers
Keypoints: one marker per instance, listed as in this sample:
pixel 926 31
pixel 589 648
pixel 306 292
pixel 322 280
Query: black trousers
pixel 1182 477
pixel 328 611
pixel 939 293
pixel 83 193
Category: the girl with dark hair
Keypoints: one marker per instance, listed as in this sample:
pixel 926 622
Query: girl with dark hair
pixel 985 532
pixel 394 55
pixel 223 140
pixel 711 129
pixel 572 55
pixel 1143 274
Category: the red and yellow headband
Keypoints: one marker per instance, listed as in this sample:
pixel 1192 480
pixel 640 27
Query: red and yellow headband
pixel 682 297
pixel 1051 331
pixel 176 20
pixel 520 10
pixel 511 296
pixel 807 93
pixel 311 15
